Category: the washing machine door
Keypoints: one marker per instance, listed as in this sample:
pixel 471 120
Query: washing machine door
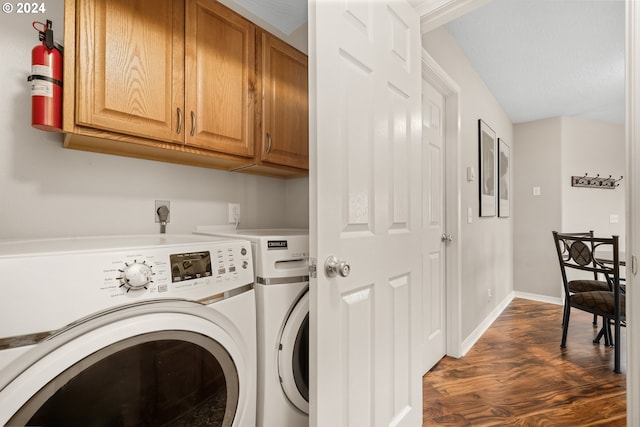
pixel 154 364
pixel 293 355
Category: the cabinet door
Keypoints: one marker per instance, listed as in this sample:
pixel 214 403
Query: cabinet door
pixel 220 78
pixel 130 67
pixel 285 115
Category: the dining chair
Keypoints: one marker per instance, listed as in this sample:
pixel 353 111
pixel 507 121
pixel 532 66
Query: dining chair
pixel 579 253
pixel 586 285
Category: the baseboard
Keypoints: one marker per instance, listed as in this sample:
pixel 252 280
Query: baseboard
pixel 536 297
pixel 470 341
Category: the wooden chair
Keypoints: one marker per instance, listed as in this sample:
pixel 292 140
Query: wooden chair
pixel 586 285
pixel 578 253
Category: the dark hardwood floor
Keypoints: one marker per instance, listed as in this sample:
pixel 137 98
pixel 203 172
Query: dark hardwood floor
pixel 517 375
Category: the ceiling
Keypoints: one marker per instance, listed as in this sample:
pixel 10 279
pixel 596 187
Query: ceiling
pixel 548 58
pixel 285 15
pixel 540 58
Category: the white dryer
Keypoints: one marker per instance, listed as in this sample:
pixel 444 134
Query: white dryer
pixel 128 330
pixel 282 307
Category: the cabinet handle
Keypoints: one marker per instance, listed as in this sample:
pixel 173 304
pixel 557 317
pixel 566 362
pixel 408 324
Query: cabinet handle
pixel 268 143
pixel 193 123
pixel 179 129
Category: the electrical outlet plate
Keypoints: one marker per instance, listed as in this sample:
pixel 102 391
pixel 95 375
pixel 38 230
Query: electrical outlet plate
pixel 155 210
pixel 234 213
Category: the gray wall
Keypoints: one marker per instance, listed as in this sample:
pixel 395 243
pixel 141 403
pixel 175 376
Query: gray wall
pixel 593 147
pixel 538 164
pixel 550 152
pixel 49 191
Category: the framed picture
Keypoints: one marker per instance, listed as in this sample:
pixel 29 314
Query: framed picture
pixel 488 170
pixel 504 179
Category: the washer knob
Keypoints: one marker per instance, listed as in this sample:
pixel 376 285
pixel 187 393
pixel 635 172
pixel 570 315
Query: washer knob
pixel 136 276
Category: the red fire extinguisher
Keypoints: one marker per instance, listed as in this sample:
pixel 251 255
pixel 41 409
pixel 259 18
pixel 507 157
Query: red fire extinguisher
pixel 46 81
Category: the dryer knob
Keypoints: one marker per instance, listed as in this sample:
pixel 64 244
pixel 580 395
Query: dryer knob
pixel 245 264
pixel 136 276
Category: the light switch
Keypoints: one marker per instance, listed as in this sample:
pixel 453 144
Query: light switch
pixel 469 215
pixel 613 219
pixel 536 191
pixel 471 173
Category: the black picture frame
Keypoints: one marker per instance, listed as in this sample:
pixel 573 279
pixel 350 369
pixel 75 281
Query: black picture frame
pixel 504 179
pixel 488 181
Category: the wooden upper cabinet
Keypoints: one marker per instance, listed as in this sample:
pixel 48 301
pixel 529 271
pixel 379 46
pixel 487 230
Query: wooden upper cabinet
pixel 183 81
pixel 130 66
pixel 220 78
pixel 283 124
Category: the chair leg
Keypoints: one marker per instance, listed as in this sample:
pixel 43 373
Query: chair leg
pixel 595 320
pixel 616 349
pixel 611 338
pixel 602 333
pixel 565 324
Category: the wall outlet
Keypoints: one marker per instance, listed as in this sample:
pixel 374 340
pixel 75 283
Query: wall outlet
pixel 234 213
pixel 157 205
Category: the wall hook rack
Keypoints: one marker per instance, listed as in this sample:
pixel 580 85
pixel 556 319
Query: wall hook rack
pixel 595 181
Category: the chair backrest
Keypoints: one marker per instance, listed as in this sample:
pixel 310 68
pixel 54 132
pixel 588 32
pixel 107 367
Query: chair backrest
pixel 585 234
pixel 584 252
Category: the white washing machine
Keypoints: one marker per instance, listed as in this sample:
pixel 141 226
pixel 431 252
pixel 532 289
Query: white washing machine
pixel 129 330
pixel 282 298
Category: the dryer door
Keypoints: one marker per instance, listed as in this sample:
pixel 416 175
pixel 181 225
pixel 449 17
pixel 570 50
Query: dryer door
pixel 293 357
pixel 154 364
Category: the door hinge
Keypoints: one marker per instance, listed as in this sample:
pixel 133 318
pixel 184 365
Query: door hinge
pixel 313 267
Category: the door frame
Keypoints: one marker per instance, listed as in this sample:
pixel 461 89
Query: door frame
pixel 433 73
pixel 632 17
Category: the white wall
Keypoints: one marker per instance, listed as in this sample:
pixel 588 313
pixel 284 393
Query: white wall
pixel 550 152
pixel 487 243
pixel 49 191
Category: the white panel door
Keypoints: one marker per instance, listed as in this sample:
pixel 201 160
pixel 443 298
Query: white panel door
pixel 433 218
pixel 365 208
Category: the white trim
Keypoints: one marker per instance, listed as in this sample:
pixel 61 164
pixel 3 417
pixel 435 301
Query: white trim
pixel 486 324
pixel 443 83
pixel 632 207
pixel 435 13
pixel 539 298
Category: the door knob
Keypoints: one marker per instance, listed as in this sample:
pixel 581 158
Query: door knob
pixel 446 238
pixel 333 266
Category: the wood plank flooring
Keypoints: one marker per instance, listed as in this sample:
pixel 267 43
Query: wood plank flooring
pixel 517 375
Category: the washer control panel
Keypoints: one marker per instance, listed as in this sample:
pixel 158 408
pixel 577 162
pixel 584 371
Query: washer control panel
pixel 179 273
pixel 48 284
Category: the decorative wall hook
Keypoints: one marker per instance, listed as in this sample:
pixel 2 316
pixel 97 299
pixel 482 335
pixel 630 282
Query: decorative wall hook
pixel 594 181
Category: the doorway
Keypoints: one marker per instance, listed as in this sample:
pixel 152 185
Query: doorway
pixel 445 86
